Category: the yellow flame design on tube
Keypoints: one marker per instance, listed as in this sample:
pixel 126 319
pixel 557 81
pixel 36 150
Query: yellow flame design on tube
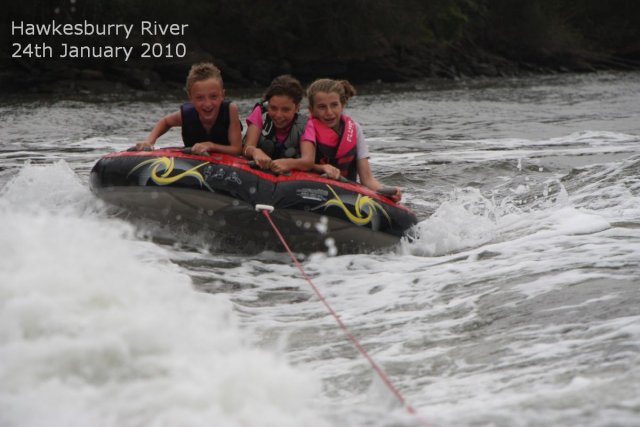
pixel 363 203
pixel 162 167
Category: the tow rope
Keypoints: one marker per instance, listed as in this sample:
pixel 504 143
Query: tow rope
pixel 266 211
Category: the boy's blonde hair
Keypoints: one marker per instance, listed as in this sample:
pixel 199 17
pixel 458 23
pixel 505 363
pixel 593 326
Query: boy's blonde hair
pixel 202 71
pixel 342 87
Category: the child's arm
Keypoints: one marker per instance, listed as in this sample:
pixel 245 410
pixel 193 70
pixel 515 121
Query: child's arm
pixel 368 180
pixel 234 134
pixel 304 163
pixel 251 149
pixel 163 125
pixel 328 170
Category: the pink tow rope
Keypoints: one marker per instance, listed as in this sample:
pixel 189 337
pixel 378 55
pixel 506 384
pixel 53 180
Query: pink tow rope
pixel 266 209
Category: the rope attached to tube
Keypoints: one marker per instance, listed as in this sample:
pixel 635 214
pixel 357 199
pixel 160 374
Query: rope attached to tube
pixel 266 211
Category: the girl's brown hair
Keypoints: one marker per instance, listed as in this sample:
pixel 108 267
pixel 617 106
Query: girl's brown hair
pixel 202 71
pixel 285 85
pixel 342 87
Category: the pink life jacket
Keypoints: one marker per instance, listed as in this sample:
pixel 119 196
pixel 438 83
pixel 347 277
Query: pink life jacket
pixel 338 150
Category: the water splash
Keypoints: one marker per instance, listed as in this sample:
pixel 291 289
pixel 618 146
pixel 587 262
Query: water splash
pixel 100 328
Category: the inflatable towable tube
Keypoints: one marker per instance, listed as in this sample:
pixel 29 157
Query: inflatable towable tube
pixel 220 192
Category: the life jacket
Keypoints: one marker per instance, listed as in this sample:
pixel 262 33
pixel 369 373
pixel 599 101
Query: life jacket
pixel 193 131
pixel 338 149
pixel 290 147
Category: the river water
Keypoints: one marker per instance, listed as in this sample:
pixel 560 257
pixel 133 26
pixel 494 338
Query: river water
pixel 517 305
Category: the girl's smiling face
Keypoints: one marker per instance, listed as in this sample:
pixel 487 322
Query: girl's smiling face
pixel 207 96
pixel 282 110
pixel 327 108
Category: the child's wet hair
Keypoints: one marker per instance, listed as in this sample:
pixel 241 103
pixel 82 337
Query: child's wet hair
pixel 285 85
pixel 202 71
pixel 342 87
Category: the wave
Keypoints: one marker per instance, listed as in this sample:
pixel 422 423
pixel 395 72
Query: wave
pixel 100 328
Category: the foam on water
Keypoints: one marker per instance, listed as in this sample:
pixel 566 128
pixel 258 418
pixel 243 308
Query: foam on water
pixel 99 328
pixel 516 306
pixel 492 297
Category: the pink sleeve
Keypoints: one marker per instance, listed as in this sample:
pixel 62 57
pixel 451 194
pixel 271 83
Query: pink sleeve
pixel 309 133
pixel 255 118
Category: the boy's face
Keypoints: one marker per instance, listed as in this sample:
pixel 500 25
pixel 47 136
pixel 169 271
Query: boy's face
pixel 327 108
pixel 206 96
